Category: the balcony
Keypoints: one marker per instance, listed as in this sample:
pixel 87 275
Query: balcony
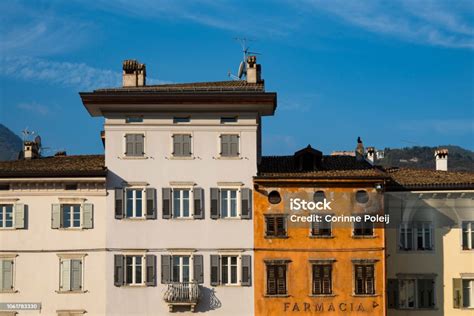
pixel 182 294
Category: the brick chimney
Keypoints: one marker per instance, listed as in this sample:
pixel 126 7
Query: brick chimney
pixel 134 73
pixel 371 156
pixel 30 149
pixel 254 70
pixel 359 151
pixel 441 156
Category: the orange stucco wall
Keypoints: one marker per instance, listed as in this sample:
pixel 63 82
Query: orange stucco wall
pixel 299 248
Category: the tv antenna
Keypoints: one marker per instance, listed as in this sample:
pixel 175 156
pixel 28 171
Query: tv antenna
pixel 27 134
pixel 242 70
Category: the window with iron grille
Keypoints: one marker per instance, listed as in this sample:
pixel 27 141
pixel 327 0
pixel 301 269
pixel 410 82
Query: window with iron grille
pixel 275 225
pixel 276 279
pixel 364 279
pixel 363 228
pixel 321 229
pixel 322 279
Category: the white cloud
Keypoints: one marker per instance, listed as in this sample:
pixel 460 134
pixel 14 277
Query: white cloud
pixel 34 107
pixel 440 126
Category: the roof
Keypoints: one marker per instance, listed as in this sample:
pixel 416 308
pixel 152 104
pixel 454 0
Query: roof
pixel 212 86
pixel 63 166
pixel 408 178
pixel 330 167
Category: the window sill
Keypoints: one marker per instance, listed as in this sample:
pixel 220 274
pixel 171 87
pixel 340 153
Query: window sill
pixel 230 285
pixel 133 219
pixel 71 292
pixel 12 291
pixel 365 295
pixel 364 236
pixel 228 158
pixel 321 237
pixel 417 251
pixel 181 158
pixel 182 218
pixel 134 157
pixel 277 237
pixel 322 295
pixel 7 228
pixel 70 229
pixel 133 286
pixel 276 295
pixel 230 218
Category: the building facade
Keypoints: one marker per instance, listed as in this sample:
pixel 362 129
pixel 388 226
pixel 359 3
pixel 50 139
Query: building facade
pixel 179 217
pixel 306 267
pixel 430 262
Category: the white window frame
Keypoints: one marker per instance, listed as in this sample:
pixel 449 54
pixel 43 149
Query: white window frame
pixel 470 239
pixel 134 211
pixel 4 215
pixel 191 201
pixel 180 265
pixel 470 288
pixel 415 279
pixel 415 229
pixel 71 215
pixel 70 258
pixel 134 267
pixel 238 202
pixel 238 266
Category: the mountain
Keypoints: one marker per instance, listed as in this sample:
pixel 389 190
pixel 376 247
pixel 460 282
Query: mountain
pixel 459 159
pixel 10 144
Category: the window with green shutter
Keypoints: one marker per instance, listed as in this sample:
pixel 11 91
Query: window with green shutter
pixel 134 145
pixel 275 226
pixel 182 145
pixel 6 215
pixel 6 275
pixel 229 145
pixel 71 274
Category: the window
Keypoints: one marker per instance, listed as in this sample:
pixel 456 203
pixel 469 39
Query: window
pixel 229 270
pixel 415 236
pixel 134 145
pixel 181 119
pixel 275 225
pixel 322 279
pixel 229 203
pixel 362 196
pixel 72 216
pixel 228 119
pixel 182 145
pixel 468 293
pixel 134 271
pixel 229 145
pixel 6 215
pixel 274 197
pixel 181 271
pixel 364 279
pixel 416 293
pixel 134 203
pixel 468 235
pixel 321 229
pixel 319 196
pixel 276 279
pixel 134 119
pixel 70 275
pixel 363 228
pixel 6 277
pixel 181 205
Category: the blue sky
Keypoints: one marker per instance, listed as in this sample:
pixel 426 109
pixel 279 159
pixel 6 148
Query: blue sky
pixel 396 73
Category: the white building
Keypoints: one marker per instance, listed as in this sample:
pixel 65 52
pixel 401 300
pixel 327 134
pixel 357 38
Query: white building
pixel 180 161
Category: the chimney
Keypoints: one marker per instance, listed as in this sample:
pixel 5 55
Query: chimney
pixel 441 156
pixel 359 152
pixel 134 73
pixel 254 70
pixel 371 157
pixel 30 150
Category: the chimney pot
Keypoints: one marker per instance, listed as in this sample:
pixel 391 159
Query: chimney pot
pixel 371 155
pixel 30 150
pixel 441 156
pixel 133 73
pixel 254 70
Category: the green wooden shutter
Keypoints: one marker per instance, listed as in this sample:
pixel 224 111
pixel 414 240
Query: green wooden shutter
pixel 119 269
pixel 225 145
pixel 76 275
pixel 56 216
pixel 246 270
pixel 457 293
pixel 150 203
pixel 198 269
pixel 187 145
pixel 166 203
pixel 246 204
pixel 87 215
pixel 198 203
pixel 215 270
pixel 65 275
pixel 119 205
pixel 233 145
pixel 165 269
pixel 150 270
pixel 139 145
pixel 392 293
pixel 178 145
pixel 19 215
pixel 6 277
pixel 215 205
pixel 129 145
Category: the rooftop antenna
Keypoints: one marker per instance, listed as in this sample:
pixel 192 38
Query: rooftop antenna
pixel 27 134
pixel 243 64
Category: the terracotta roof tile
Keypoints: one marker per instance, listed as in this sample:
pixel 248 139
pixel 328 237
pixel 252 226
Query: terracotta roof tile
pixel 425 178
pixel 212 86
pixel 66 166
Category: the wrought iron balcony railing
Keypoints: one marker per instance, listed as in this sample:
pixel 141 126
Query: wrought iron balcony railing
pixel 182 293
